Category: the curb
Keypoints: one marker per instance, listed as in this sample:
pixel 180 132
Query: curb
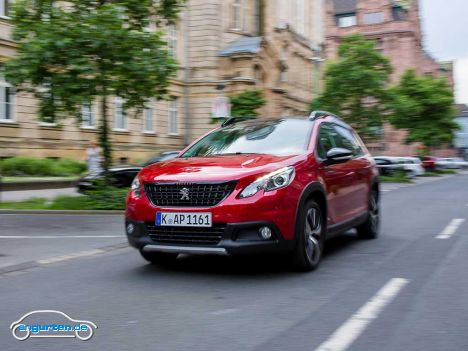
pixel 34 264
pixel 65 212
pixel 38 185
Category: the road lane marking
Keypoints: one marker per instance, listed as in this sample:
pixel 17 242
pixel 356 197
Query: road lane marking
pixel 348 332
pixel 450 229
pixel 225 311
pixel 71 256
pixel 57 236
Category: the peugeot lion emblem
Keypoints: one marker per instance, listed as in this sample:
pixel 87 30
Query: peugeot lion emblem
pixel 185 194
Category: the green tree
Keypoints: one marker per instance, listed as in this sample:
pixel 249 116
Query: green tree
pixel 76 52
pixel 246 103
pixel 424 106
pixel 355 85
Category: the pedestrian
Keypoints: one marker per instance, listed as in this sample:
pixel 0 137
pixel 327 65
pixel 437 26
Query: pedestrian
pixel 94 158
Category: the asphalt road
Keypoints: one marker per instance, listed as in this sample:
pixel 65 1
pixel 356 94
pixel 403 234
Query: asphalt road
pixel 406 290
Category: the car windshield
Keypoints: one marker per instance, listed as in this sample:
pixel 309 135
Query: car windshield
pixel 280 138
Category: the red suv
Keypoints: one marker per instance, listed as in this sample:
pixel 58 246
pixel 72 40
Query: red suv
pixel 257 187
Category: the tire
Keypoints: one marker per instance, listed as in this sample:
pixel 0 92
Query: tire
pixel 370 228
pixel 159 258
pixel 310 238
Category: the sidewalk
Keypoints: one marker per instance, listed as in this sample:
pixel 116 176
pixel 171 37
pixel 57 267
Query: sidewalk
pixel 28 194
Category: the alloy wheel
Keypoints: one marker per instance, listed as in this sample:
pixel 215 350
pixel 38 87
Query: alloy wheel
pixel 313 233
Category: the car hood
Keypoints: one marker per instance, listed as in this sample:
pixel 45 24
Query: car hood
pixel 216 168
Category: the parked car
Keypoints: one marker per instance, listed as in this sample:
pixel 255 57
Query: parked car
pixel 412 165
pixel 388 166
pixel 122 177
pixel 429 163
pixel 255 187
pixel 451 163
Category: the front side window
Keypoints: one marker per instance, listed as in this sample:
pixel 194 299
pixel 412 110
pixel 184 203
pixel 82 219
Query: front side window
pixel 327 140
pixel 173 123
pixel 347 140
pixel 6 102
pixel 280 138
pixel 346 20
pixel 119 115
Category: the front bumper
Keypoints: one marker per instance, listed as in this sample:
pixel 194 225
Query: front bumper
pixel 237 239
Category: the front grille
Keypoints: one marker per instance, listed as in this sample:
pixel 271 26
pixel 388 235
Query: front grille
pixel 181 235
pixel 188 194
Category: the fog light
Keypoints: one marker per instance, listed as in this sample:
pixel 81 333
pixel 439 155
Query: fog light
pixel 130 228
pixel 265 233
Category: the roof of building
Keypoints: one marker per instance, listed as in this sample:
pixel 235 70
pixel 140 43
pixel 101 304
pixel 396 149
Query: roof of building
pixel 342 7
pixel 244 45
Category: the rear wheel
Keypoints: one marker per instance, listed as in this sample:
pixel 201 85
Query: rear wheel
pixel 159 258
pixel 310 238
pixel 370 228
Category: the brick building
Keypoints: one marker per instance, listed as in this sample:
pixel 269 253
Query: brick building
pixel 237 44
pixel 395 27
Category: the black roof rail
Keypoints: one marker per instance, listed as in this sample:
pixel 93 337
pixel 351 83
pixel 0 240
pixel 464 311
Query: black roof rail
pixel 228 122
pixel 321 114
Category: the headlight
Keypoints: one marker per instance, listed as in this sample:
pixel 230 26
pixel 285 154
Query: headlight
pixel 136 186
pixel 275 180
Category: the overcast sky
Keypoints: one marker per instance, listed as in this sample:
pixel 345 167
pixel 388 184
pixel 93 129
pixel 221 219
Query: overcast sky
pixel 445 25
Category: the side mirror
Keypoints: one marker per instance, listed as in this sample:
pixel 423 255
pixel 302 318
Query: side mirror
pixel 338 154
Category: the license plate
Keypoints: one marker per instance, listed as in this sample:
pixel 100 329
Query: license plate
pixel 183 219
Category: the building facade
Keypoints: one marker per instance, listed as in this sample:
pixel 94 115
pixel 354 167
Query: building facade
pixel 461 136
pixel 223 47
pixel 395 27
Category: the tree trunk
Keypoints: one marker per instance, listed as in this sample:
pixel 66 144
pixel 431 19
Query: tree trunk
pixel 104 142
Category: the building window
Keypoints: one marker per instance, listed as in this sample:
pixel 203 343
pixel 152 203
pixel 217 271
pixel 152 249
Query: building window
pixel 399 13
pixel 257 18
pixel 236 15
pixel 172 39
pixel 148 119
pixel 7 97
pixel 87 116
pixel 4 8
pixel 300 16
pixel 173 123
pixel 120 119
pixel 379 46
pixel 373 18
pixel 346 20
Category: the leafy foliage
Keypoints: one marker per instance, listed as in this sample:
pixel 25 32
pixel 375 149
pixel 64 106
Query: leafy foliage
pixel 424 106
pixel 72 53
pixel 246 103
pixel 29 166
pixel 355 85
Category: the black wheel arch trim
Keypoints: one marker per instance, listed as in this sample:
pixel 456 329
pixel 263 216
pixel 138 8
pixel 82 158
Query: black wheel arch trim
pixel 311 188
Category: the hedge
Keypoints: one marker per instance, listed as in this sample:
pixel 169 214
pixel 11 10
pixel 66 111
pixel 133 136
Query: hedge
pixel 28 166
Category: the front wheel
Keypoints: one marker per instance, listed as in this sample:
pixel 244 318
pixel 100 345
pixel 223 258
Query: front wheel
pixel 370 228
pixel 310 238
pixel 159 258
